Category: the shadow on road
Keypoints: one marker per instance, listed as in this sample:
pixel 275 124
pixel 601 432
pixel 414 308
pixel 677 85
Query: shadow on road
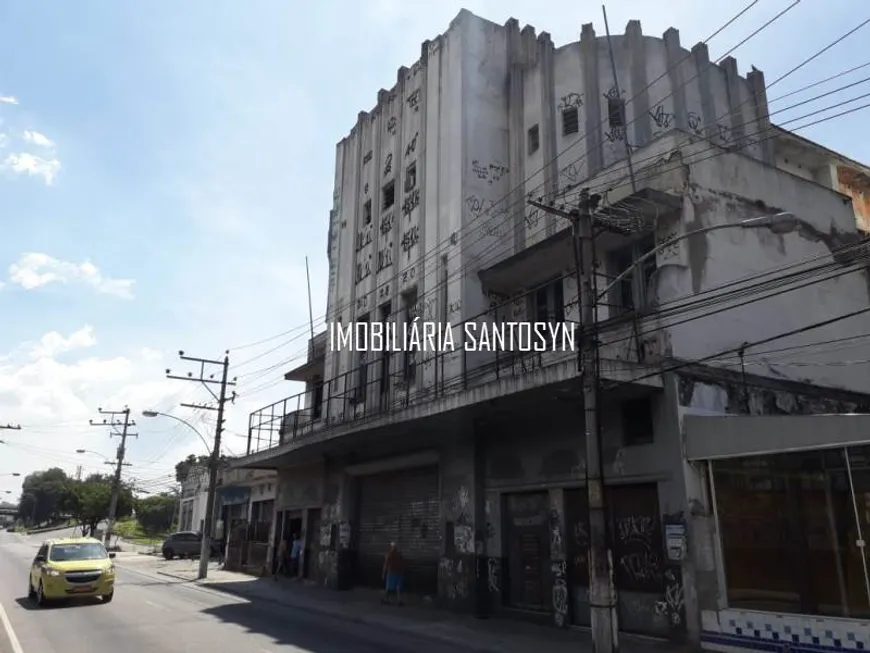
pixel 30 604
pixel 318 633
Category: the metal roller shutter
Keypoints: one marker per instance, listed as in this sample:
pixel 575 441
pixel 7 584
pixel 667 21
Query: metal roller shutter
pixel 401 507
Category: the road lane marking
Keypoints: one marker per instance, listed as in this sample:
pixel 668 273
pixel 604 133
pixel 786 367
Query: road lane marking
pixel 155 605
pixel 10 632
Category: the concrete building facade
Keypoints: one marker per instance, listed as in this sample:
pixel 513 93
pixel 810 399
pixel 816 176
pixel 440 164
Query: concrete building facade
pixel 474 462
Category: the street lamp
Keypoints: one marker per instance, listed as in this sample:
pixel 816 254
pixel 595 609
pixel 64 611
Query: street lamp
pixel 154 413
pixel 11 474
pixel 106 459
pixel 779 223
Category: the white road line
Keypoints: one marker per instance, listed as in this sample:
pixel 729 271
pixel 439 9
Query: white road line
pixel 155 605
pixel 10 632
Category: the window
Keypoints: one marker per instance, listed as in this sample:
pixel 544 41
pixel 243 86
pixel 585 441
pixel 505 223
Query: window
pixel 789 530
pixel 367 212
pixel 389 195
pixel 411 177
pixel 385 310
pixel 616 112
pixel 534 139
pixel 570 121
pixel 629 294
pixel 549 303
pixel 317 406
pixel 409 310
pixel 76 552
pixel 362 370
pixel 637 421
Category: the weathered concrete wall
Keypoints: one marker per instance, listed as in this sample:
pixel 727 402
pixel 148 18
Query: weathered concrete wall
pixel 461 524
pixel 728 188
pixel 300 487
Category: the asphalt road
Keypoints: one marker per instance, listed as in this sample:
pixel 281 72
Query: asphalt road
pixel 152 614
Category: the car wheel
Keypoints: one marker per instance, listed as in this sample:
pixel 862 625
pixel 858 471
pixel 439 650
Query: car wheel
pixel 40 596
pixel 168 554
pixel 107 598
pixel 30 592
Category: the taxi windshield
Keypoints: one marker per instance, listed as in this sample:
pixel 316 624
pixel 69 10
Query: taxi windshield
pixel 72 552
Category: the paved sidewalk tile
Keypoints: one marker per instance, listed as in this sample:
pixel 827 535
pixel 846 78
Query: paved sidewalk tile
pixel 362 606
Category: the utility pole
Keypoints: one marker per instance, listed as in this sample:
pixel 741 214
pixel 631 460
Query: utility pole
pixel 214 460
pixel 119 463
pixel 602 593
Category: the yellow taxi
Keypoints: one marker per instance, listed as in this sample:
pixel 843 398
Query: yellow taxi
pixel 71 567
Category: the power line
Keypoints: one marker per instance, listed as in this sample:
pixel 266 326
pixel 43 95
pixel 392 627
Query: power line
pixel 437 247
pixel 112 423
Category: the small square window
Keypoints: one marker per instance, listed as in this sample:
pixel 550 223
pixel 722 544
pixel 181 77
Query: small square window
pixel 367 212
pixel 570 121
pixel 616 112
pixel 534 139
pixel 411 177
pixel 389 193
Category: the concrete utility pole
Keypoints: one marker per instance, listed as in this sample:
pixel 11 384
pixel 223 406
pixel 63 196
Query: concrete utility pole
pixel 214 460
pixel 602 593
pixel 119 460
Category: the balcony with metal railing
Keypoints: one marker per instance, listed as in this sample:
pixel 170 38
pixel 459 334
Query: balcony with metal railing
pixel 405 386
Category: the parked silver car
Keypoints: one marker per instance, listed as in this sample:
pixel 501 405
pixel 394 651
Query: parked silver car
pixel 187 544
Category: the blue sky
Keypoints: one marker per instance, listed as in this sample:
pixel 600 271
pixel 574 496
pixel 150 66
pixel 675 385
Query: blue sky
pixel 192 157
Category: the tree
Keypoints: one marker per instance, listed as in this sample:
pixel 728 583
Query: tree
pixel 45 496
pixel 156 514
pixel 91 499
pixel 183 468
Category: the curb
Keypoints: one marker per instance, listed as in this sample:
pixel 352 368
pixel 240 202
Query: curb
pixel 227 588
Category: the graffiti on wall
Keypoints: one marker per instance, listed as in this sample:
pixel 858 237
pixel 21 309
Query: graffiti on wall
pixel 414 100
pixel 493 575
pixel 411 202
pixel 560 593
pixel 410 238
pixel 412 146
pixel 570 101
pixel 673 603
pixel 638 536
pixel 453 579
pixel 490 172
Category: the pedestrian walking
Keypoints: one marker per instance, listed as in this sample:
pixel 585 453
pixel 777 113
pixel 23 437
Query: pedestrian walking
pixel 394 569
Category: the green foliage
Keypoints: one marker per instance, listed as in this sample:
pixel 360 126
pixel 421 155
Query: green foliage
pixel 45 496
pixel 156 513
pixel 182 469
pixel 48 495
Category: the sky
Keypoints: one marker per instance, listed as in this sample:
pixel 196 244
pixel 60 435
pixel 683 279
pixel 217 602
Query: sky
pixel 166 168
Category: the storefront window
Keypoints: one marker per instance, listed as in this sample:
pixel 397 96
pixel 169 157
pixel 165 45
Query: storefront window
pixel 791 531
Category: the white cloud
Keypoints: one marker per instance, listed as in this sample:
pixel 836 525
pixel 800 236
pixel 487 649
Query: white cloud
pixel 38 139
pixel 32 165
pixel 54 401
pixel 53 343
pixel 8 99
pixel 34 270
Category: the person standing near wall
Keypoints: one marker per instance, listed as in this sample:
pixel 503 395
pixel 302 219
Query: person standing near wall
pixel 295 552
pixel 393 575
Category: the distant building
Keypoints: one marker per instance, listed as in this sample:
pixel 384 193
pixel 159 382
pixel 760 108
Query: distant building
pixel 474 462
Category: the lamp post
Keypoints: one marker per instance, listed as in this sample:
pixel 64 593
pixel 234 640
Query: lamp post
pixel 212 486
pixel 154 413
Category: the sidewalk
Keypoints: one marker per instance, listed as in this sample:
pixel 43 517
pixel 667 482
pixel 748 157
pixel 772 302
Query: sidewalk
pixel 494 635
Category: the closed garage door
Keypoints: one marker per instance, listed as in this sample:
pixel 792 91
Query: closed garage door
pixel 400 507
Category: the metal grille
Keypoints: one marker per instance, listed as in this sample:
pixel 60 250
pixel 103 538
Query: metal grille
pixel 401 507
